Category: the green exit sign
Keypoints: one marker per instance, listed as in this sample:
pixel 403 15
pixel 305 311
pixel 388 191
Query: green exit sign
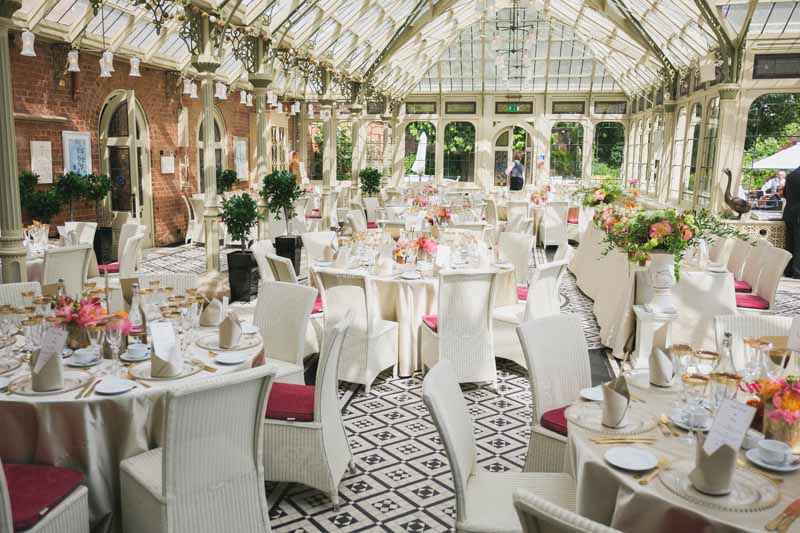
pixel 514 108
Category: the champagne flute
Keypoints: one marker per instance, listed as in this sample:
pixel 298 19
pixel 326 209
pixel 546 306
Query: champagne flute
pixel 681 355
pixel 114 338
pixel 695 386
pixel 95 333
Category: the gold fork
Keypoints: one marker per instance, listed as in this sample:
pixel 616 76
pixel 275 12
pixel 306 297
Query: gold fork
pixel 669 425
pixel 663 464
pixel 772 477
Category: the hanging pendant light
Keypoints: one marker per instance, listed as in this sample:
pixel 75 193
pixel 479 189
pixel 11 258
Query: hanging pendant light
pixel 187 86
pixel 249 100
pixel 134 73
pixel 28 39
pixel 72 61
pixel 243 97
pixel 193 91
pixel 310 110
pixel 105 72
pixel 222 91
pixel 108 57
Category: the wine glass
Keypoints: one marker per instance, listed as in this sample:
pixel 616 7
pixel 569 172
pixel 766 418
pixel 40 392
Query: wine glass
pixel 187 324
pixel 681 355
pixel 753 369
pixel 95 333
pixel 114 338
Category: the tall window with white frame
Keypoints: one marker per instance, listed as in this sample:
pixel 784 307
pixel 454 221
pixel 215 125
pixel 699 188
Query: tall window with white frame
pixel 691 155
pixel 344 151
pixel 373 147
pixel 459 151
pixel 629 155
pixel 566 149
pixel 218 147
pixel 705 179
pixel 657 152
pixel 420 151
pixel 608 151
pixel 677 156
pixel 316 148
pixel 637 152
pixel 644 156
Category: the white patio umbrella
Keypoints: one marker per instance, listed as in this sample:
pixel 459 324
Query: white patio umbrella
pixel 786 159
pixel 418 167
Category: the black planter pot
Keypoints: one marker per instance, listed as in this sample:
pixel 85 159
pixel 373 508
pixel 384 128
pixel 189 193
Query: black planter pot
pixel 104 245
pixel 290 246
pixel 242 276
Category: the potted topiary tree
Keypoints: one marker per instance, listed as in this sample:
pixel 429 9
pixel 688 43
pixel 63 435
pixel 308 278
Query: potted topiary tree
pixel 370 181
pixel 41 205
pixel 71 187
pixel 226 180
pixel 280 191
pixel 240 214
pixel 96 190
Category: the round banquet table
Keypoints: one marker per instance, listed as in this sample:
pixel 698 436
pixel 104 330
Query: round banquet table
pixel 407 301
pixel 615 497
pixel 92 435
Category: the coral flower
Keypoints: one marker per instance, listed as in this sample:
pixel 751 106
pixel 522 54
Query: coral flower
pixel 659 230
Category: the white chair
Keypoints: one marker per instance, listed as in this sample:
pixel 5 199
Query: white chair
pixel 198 203
pixel 84 231
pixel 719 251
pixel 518 217
pixel 282 268
pixel 371 207
pixel 762 299
pixel 738 258
pixel 126 231
pixel 69 263
pixel 749 325
pixel 564 252
pixel 493 219
pixel 304 437
pixel 11 293
pixel 357 220
pixel 315 243
pixel 558 368
pixel 752 267
pixel 483 499
pixel 517 248
pixel 553 227
pixel 61 504
pixel 260 251
pixel 282 315
pixel 371 344
pixel 542 298
pixel 191 221
pixel 209 474
pixel 538 515
pixel 462 331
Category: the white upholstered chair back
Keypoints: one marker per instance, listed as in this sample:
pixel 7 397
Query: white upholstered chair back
pixel 517 214
pixel 344 293
pixel 564 252
pixel 282 314
pixel 179 282
pixel 213 438
pixel 517 248
pixel 326 392
pixel 84 231
pixel 260 251
pixel 357 220
pixel 553 227
pixel 719 250
pixel 544 290
pixel 558 360
pixel 738 258
pixel 755 261
pixel 69 263
pixel 746 325
pixel 11 293
pixel 126 231
pixel 129 261
pixel 315 243
pixel 492 217
pixel 443 398
pixel 371 206
pixel 774 264
pixel 538 515
pixel 282 268
pixel 466 300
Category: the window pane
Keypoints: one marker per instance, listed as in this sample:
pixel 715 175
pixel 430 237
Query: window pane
pixel 119 169
pixel 609 148
pixel 566 149
pixel 420 143
pixel 459 151
pixel 118 125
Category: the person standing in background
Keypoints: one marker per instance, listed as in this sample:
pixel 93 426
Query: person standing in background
pixel 791 217
pixel 517 174
pixel 294 166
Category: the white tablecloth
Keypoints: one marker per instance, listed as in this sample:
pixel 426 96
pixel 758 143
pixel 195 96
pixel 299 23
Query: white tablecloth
pixel 614 497
pixel 612 282
pixel 92 435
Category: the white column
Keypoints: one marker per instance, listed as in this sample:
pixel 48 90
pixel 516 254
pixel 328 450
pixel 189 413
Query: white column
pixel 667 145
pixel 211 213
pixel 359 135
pixel 12 252
pixel 398 152
pixel 386 150
pixel 588 152
pixel 730 145
pixel 262 154
pixel 328 164
pixel 543 134
pixel 438 155
pixel 484 154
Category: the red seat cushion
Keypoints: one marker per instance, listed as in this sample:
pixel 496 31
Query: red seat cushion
pixel 573 215
pixel 751 301
pixel 111 268
pixel 742 286
pixel 372 225
pixel 314 216
pixel 288 401
pixel 555 420
pixel 36 489
pixel 432 321
pixel 522 293
pixel 317 305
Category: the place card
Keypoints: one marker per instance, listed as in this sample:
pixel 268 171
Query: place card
pixel 794 335
pixel 164 342
pixel 52 344
pixel 731 423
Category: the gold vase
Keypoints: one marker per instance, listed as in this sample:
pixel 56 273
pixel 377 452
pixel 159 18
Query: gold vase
pixel 781 430
pixel 76 337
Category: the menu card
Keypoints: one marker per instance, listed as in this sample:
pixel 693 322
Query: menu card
pixel 52 345
pixel 732 421
pixel 163 339
pixel 794 335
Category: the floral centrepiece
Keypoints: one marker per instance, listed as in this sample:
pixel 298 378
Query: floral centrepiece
pixel 427 245
pixel 604 194
pixel 84 312
pixel 780 401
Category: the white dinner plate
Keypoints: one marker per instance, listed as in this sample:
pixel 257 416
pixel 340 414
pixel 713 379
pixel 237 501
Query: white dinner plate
pixel 754 457
pixel 211 342
pixel 323 264
pixel 681 422
pixel 4 383
pixel 631 458
pixel 717 269
pixel 504 264
pixel 113 385
pixel 71 361
pixel 250 329
pixel 593 394
pixel 66 352
pixel 129 359
pixel 230 358
pixel 410 275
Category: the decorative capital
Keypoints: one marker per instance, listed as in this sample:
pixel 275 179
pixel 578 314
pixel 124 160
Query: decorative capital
pixel 728 91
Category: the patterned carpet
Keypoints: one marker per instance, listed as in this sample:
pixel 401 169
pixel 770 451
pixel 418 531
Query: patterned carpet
pixel 403 483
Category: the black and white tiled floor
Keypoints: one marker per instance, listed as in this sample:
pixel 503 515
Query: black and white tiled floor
pixel 403 482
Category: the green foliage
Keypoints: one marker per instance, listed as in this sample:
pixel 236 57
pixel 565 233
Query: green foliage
pixel 27 185
pixel 609 192
pixel 226 180
pixel 70 187
pixel 413 133
pixel 773 123
pixel 42 205
pixel 602 171
pixel 566 145
pixel 280 191
pixel 370 179
pixel 240 214
pixel 609 147
pixel 97 188
pixel 344 152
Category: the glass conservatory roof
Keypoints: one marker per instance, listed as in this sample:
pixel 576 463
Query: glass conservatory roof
pixel 405 46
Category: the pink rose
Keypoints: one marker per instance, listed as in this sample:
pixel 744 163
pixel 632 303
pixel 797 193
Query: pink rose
pixel 659 230
pixel 599 195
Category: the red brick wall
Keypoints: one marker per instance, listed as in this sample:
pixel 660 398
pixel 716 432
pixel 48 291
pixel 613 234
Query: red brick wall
pixel 37 93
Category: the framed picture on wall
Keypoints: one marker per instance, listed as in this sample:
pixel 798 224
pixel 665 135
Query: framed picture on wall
pixel 241 159
pixel 42 160
pixel 77 151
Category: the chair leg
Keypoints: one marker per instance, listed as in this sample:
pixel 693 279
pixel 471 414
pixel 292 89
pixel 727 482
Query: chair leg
pixel 335 500
pixel 366 390
pixel 352 466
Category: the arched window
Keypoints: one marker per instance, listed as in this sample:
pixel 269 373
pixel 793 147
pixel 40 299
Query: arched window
pixel 316 147
pixel 511 141
pixel 344 151
pixel 420 152
pixel 773 124
pixel 566 149
pixel 374 146
pixel 677 156
pixel 220 147
pixel 609 148
pixel 459 151
pixel 691 151
pixel 710 157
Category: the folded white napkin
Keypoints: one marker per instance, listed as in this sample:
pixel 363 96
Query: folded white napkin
pixel 328 254
pixel 443 257
pixel 230 331
pixel 165 358
pixel 47 368
pixel 385 265
pixel 212 314
pixel 661 370
pixel 483 255
pixel 713 473
pixel 342 258
pixel 616 399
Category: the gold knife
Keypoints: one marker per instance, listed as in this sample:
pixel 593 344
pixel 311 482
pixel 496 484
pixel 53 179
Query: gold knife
pixel 85 387
pixel 90 390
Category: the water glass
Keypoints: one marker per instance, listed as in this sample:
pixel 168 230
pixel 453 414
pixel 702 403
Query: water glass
pixel 114 339
pixel 95 333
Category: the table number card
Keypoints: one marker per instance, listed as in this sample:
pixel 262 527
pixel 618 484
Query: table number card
pixel 52 346
pixel 163 338
pixel 729 426
pixel 794 335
